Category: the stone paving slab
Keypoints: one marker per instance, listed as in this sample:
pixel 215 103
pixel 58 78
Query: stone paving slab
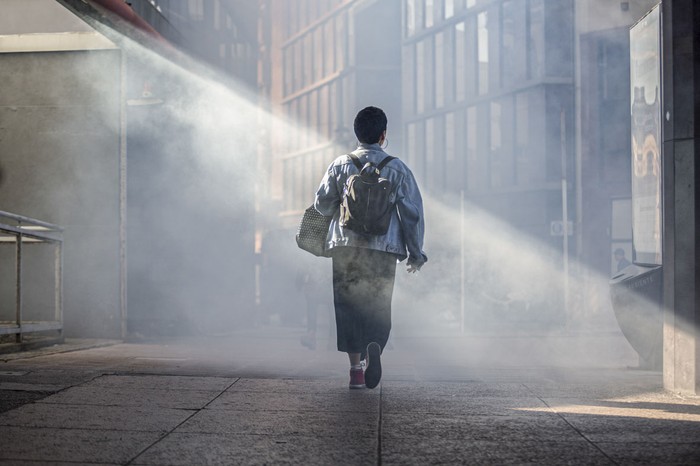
pixel 290 385
pixel 53 463
pixel 162 382
pixel 634 429
pixel 180 399
pixel 478 428
pixel 464 405
pixel 30 387
pixel 75 445
pixel 461 452
pixel 340 400
pixel 285 423
pixel 11 399
pixel 666 454
pixel 42 376
pixel 116 418
pixel 217 449
pixel 470 389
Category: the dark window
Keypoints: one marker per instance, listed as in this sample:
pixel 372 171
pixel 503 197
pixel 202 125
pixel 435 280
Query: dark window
pixel 514 43
pixel 535 38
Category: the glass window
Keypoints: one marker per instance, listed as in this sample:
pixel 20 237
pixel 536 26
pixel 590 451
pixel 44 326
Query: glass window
pixel 471 67
pixel 449 65
pixel 349 101
pixel 411 143
pixel 313 118
pixel 298 63
pixel 334 118
pixel 308 60
pixel 340 40
pixel 419 14
pixel 513 43
pixel 496 168
pixel 450 137
pixel 328 49
pixel 559 39
pixel 482 38
pixel 439 69
pixel 350 38
pixel 420 77
pixel 313 10
pixel 196 9
pixel 303 14
pixel 449 8
pixel 522 136
pixel 299 169
pixel 288 66
pixel 487 51
pixel 303 121
pixel 408 71
pixel 439 156
pixel 410 17
pixel 293 18
pixel 318 54
pixel 429 70
pixel 507 141
pixel 460 57
pixel 288 184
pixel 323 120
pixel 536 39
pixel 451 169
pixel 471 166
pixel 430 167
pixel 471 3
pixel 429 12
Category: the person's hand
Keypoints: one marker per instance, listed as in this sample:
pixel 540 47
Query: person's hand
pixel 412 269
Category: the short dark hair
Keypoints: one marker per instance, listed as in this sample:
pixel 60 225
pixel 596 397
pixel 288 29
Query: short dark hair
pixel 369 125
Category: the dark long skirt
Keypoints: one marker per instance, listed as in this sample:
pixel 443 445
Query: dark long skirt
pixel 363 283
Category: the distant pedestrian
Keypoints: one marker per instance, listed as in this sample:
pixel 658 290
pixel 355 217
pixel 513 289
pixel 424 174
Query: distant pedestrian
pixel 313 284
pixel 364 265
pixel 622 261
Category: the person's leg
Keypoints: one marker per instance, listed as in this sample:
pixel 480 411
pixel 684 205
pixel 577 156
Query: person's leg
pixel 348 323
pixel 380 273
pixel 354 359
pixel 347 300
pixel 378 323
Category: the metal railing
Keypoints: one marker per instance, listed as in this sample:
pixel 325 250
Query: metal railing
pixel 22 232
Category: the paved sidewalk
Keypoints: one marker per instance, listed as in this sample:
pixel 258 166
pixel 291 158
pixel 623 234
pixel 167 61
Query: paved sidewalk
pixel 184 404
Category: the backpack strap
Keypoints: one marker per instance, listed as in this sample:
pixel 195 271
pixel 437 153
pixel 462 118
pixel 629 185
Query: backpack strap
pixel 383 163
pixel 356 161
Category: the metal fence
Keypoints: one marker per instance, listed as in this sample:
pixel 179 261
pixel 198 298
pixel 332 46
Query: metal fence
pixel 23 233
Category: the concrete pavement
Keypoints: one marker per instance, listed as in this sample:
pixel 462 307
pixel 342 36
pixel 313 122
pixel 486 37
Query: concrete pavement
pixel 263 399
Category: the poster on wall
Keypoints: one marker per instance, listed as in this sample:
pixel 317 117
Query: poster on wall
pixel 645 83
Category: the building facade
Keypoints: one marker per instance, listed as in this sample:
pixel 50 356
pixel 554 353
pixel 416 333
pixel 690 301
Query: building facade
pixel 221 32
pixel 323 65
pixel 479 95
pixel 488 104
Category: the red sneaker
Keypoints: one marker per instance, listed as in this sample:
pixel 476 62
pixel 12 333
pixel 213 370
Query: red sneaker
pixel 357 378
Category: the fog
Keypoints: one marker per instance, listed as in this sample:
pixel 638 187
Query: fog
pixel 490 293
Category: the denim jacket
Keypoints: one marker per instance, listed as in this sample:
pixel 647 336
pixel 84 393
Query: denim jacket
pixel 406 229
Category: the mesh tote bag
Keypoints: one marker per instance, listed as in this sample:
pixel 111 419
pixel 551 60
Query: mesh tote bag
pixel 312 232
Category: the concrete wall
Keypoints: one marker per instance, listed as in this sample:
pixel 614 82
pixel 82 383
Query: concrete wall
pixel 681 193
pixel 59 160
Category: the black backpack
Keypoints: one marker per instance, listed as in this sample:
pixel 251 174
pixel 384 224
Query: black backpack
pixel 367 201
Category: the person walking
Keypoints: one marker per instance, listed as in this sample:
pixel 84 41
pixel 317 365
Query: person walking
pixel 364 265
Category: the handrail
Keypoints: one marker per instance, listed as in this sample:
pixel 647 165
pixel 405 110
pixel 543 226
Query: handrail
pixel 32 231
pixel 32 221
